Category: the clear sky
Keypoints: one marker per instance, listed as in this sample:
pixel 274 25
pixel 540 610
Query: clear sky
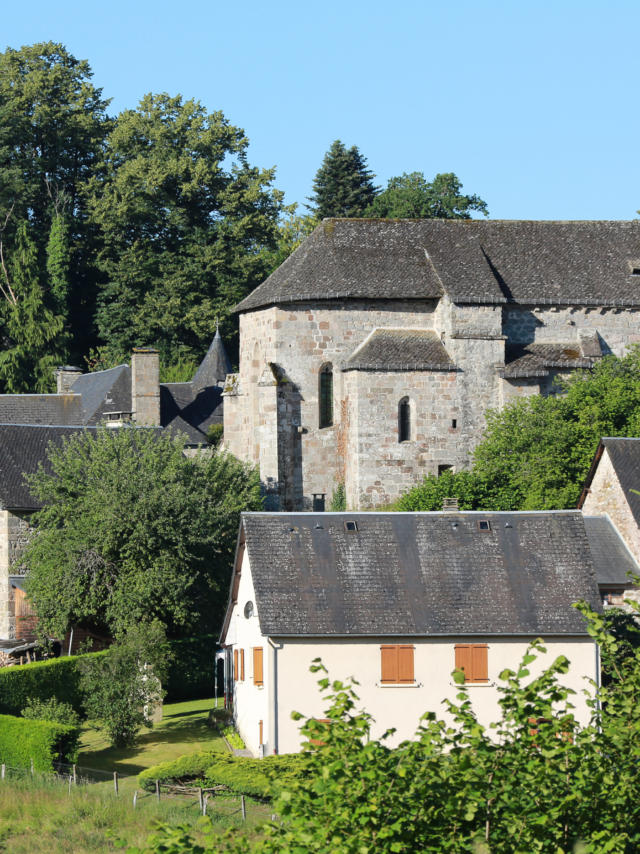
pixel 534 105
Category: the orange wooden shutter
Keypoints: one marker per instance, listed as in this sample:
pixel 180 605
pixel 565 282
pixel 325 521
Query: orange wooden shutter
pixel 389 663
pixel 463 660
pixel 479 663
pixel 242 665
pixel 235 665
pixel 257 665
pixel 405 664
pixel 260 738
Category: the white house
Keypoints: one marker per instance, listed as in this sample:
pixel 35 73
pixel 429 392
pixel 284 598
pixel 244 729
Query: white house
pixel 398 601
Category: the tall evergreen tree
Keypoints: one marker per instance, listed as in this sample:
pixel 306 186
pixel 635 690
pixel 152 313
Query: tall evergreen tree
pixel 343 185
pixel 412 196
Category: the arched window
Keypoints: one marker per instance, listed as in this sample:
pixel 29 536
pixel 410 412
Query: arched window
pixel 404 420
pixel 325 396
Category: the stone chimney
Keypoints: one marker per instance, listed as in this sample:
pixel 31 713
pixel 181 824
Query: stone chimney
pixel 65 378
pixel 450 505
pixel 145 387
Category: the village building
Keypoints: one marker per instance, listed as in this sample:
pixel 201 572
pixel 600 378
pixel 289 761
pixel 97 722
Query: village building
pixel 398 601
pixel 370 356
pixel 127 395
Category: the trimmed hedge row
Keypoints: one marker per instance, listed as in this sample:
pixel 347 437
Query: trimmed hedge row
pixel 191 671
pixel 22 740
pixel 259 778
pixel 41 680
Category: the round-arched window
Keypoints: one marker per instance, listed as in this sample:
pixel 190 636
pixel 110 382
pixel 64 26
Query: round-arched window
pixel 404 420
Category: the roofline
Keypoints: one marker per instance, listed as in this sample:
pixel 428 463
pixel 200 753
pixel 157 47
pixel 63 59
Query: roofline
pixel 240 541
pixel 590 474
pixel 366 513
pixel 620 537
pixel 532 634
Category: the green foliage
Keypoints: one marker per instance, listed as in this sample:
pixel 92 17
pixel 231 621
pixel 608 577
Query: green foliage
pixel 51 710
pixel 43 741
pixel 191 668
pixel 412 196
pixel 183 221
pixel 132 530
pixel 343 185
pixel 215 434
pixel 258 778
pixel 292 230
pixel 185 769
pixel 42 680
pixel 233 737
pixel 59 264
pixel 338 501
pixel 535 453
pixel 122 688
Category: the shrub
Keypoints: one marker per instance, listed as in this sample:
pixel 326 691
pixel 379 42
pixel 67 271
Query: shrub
pixel 259 778
pixel 42 680
pixel 51 710
pixel 184 769
pixel 233 738
pixel 338 501
pixel 191 670
pixel 45 742
pixel 215 434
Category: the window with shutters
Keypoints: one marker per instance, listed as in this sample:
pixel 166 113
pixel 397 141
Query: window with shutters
pixel 472 659
pixel 396 664
pixel 258 678
pixel 325 396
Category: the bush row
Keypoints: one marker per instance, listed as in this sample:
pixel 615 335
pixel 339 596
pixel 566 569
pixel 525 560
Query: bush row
pixel 41 680
pixel 258 778
pixel 22 740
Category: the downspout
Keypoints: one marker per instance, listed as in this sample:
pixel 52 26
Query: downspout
pixel 272 697
pixel 598 684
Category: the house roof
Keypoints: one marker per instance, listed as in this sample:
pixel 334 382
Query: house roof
pixel 22 448
pixel 625 459
pixel 104 391
pixel 535 360
pixel 473 261
pixel 612 560
pixel 400 350
pixel 190 411
pixel 214 367
pixel 41 409
pixel 419 573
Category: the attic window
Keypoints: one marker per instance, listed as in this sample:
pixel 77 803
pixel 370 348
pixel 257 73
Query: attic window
pixel 634 266
pixel 351 526
pixel 484 525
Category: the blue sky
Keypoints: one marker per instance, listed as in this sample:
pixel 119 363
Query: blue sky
pixel 533 105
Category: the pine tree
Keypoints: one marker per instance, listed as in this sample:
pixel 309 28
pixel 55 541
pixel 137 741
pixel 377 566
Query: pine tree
pixel 343 185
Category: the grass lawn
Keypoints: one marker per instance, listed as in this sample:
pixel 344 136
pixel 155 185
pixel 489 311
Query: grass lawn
pixel 183 729
pixel 38 816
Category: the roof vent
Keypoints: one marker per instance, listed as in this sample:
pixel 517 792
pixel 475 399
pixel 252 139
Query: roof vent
pixel 484 525
pixel 351 526
pixel 450 505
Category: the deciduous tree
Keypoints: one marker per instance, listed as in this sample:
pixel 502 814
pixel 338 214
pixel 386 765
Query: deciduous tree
pixel 412 196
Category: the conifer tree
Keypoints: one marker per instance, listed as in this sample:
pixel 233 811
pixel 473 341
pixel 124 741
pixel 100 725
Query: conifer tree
pixel 343 185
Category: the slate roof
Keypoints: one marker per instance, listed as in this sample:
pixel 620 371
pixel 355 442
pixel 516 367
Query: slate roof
pixel 419 573
pixel 400 350
pixel 625 459
pixel 41 409
pixel 103 392
pixel 535 360
pixel 22 448
pixel 473 261
pixel 214 367
pixel 612 560
pixel 190 411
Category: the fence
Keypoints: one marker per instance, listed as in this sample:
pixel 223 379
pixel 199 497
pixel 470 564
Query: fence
pixel 72 776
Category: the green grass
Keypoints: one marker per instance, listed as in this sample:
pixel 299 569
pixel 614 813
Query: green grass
pixel 38 816
pixel 183 729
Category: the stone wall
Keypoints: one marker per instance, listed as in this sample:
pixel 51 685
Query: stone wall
pixel 606 497
pixel 14 534
pixel 617 327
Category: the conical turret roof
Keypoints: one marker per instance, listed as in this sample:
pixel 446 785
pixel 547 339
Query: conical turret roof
pixel 214 367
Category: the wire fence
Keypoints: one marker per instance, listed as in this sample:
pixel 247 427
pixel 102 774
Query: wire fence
pixel 207 799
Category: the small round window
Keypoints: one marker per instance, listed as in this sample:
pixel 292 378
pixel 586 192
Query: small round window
pixel 248 610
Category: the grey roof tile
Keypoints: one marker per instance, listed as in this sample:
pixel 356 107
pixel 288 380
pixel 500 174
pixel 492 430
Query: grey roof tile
pixel 534 360
pixel 400 350
pixel 527 262
pixel 41 409
pixel 419 573
pixel 214 367
pixel 612 560
pixel 190 411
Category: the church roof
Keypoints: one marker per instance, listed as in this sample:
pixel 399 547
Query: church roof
pixel 419 573
pixel 400 350
pixel 214 367
pixel 473 261
pixel 535 360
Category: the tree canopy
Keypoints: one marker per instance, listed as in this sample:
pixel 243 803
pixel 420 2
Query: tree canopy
pixel 536 453
pixel 412 196
pixel 131 530
pixel 343 185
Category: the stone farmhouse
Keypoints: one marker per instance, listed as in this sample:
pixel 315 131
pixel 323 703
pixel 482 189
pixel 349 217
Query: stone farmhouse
pixel 398 601
pixel 371 355
pixel 129 395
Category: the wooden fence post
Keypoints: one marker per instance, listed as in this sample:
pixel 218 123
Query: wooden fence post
pixel 3 771
pixel 243 807
pixel 70 782
pixel 115 781
pixel 75 777
pixel 201 800
pixel 158 789
pixel 32 769
pixel 135 798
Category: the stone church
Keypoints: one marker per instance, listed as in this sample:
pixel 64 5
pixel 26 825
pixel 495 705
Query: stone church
pixel 371 355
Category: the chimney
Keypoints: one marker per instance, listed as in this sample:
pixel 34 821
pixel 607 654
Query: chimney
pixel 450 505
pixel 65 378
pixel 145 387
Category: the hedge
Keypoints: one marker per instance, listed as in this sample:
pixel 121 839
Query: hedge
pixel 22 740
pixel 41 680
pixel 259 778
pixel 191 670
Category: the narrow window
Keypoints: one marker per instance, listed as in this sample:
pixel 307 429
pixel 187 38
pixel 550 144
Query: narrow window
pixel 325 395
pixel 396 664
pixel 404 420
pixel 472 659
pixel 257 666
